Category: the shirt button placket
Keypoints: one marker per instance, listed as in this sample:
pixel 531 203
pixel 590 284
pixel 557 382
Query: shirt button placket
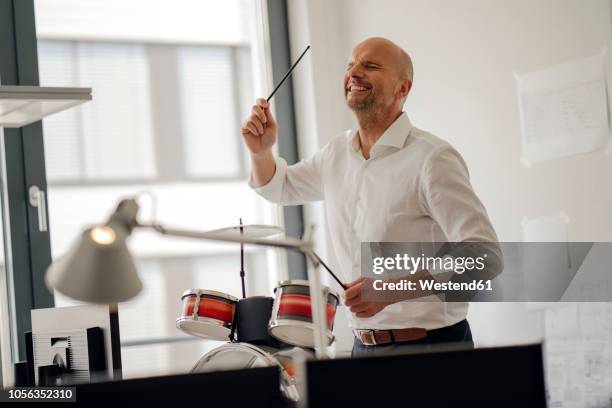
pixel 357 216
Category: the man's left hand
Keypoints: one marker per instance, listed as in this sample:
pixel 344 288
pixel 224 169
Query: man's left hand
pixel 353 299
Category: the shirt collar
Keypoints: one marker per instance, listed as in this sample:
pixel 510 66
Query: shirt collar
pixel 395 135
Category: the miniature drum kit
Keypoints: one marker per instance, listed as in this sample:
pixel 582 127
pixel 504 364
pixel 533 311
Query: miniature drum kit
pixel 213 315
pixel 261 330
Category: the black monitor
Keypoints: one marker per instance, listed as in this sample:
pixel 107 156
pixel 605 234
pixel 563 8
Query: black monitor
pixel 253 387
pixel 488 377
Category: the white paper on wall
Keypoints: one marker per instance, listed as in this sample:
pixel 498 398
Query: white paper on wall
pixel 564 110
pixel 564 369
pixel 562 322
pixel 578 355
pixel 577 336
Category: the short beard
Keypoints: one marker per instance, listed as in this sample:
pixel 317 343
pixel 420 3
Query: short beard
pixel 364 106
pixel 366 110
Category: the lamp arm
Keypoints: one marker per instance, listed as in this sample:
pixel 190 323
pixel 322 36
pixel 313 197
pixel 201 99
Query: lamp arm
pixel 318 303
pixel 287 243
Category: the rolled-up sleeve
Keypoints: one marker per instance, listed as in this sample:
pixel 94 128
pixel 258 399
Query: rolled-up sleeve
pixel 272 191
pixel 296 184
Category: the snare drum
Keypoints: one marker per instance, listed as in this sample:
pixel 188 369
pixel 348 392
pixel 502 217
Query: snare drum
pixel 291 319
pixel 207 313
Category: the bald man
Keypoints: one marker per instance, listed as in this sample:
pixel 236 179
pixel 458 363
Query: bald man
pixel 386 181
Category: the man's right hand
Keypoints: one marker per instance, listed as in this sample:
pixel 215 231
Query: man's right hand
pixel 259 130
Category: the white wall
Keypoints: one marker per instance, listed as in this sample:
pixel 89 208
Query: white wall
pixel 465 53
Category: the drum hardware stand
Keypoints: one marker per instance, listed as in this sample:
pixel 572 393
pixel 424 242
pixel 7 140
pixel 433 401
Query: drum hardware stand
pixel 232 335
pixel 196 307
pixel 242 260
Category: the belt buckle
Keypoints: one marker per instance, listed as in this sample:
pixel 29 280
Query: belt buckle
pixel 372 337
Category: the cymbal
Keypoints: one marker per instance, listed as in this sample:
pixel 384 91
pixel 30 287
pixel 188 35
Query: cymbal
pixel 250 231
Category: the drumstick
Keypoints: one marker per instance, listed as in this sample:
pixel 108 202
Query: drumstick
pixel 287 74
pixel 330 272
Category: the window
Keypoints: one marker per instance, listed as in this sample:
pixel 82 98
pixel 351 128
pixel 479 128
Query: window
pixel 208 78
pixel 168 99
pixel 175 112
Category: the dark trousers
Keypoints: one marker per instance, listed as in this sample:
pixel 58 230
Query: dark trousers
pixel 457 336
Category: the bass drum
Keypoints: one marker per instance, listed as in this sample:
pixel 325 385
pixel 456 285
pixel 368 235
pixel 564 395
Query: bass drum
pixel 236 356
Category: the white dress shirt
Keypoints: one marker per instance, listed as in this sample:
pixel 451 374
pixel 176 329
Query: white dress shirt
pixel 414 188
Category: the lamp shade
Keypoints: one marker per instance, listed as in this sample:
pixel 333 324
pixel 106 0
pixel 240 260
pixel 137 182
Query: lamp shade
pixel 98 269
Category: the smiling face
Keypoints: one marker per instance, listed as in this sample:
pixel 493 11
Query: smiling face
pixel 376 77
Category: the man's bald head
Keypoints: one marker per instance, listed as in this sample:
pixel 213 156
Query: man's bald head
pixel 378 77
pixel 402 59
pixel 406 69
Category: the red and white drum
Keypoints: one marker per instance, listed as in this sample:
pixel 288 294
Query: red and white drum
pixel 291 319
pixel 207 313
